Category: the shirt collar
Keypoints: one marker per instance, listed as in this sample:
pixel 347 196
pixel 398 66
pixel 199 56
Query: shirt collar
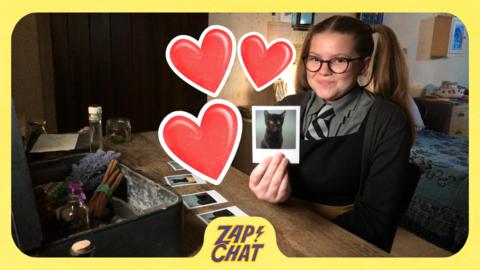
pixel 316 103
pixel 340 105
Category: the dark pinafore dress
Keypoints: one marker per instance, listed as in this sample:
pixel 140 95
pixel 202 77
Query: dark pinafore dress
pixel 329 171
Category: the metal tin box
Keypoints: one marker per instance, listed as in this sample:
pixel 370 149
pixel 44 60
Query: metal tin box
pixel 154 221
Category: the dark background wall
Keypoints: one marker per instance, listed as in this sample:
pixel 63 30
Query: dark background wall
pixel 116 61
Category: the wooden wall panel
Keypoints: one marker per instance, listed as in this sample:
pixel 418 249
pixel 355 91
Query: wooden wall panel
pixel 118 61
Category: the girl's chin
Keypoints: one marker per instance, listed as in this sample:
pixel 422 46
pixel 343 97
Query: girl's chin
pixel 325 94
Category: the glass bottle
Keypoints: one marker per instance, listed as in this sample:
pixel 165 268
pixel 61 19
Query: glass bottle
pixel 73 215
pixel 96 134
pixel 118 130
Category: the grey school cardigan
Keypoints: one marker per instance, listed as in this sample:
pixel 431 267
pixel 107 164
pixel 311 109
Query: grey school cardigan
pixel 387 179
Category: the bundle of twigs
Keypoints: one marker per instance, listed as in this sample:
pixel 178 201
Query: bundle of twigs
pixel 111 180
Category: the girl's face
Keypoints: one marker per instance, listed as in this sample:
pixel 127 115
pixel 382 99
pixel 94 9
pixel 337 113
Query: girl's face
pixel 325 46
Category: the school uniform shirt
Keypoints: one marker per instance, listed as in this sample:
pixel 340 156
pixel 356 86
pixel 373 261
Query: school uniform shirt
pixel 350 110
pixel 366 166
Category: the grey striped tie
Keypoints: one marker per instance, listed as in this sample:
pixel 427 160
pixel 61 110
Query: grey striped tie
pixel 318 129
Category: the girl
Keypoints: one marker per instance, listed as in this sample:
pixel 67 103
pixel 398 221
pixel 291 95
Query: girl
pixel 355 145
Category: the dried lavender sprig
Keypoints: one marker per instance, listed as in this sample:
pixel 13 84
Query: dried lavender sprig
pixel 91 168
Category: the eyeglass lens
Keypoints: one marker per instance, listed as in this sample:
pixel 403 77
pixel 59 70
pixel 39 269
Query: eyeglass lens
pixel 335 65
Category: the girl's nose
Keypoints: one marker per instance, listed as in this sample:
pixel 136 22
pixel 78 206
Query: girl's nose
pixel 324 69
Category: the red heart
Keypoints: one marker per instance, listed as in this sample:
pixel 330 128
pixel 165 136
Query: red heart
pixel 263 63
pixel 204 64
pixel 205 145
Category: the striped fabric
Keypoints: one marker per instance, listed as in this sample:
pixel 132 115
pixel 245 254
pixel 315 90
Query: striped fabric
pixel 318 129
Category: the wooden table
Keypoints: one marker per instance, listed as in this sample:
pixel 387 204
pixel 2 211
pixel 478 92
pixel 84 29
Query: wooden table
pixel 300 231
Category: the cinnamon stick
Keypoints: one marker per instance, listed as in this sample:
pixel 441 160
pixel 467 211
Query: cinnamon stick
pixel 111 165
pixel 93 203
pixel 112 178
pixel 117 182
pixel 102 198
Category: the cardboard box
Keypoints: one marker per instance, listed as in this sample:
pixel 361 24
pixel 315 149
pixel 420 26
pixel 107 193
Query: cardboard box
pixel 434 37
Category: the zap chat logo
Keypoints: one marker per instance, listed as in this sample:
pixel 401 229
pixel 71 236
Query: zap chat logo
pixel 232 244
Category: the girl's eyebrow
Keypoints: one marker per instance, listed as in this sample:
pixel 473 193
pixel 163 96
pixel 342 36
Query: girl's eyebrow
pixel 335 55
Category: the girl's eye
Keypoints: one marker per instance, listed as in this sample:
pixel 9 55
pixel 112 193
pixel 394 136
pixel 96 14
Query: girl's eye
pixel 339 60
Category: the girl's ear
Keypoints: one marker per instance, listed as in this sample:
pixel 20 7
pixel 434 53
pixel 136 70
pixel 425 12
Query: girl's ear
pixel 366 63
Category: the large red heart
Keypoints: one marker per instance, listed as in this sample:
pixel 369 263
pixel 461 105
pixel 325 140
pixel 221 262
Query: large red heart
pixel 204 64
pixel 264 63
pixel 206 145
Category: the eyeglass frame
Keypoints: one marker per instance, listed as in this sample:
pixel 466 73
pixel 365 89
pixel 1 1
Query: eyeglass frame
pixel 329 62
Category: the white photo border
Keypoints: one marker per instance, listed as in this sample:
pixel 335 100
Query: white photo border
pixel 213 193
pixel 233 209
pixel 172 162
pixel 259 154
pixel 198 180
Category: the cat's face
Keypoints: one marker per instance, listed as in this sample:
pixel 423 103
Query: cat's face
pixel 274 122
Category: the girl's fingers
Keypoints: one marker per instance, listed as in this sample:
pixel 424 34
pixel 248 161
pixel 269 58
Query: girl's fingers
pixel 277 178
pixel 284 190
pixel 257 174
pixel 277 158
pixel 262 187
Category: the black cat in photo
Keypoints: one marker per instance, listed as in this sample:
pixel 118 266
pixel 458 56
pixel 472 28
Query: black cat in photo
pixel 273 138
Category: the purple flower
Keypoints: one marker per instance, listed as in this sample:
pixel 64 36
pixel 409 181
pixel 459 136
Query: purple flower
pixel 76 188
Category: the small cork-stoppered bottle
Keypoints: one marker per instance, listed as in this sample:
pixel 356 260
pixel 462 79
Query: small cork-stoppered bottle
pixel 82 248
pixel 73 215
pixel 96 133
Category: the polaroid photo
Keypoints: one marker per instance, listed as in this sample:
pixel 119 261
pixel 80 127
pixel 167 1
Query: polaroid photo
pixel 201 199
pixel 275 129
pixel 175 166
pixel 183 180
pixel 231 211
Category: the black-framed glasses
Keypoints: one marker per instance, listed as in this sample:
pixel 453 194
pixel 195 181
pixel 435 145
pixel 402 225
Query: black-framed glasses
pixel 336 65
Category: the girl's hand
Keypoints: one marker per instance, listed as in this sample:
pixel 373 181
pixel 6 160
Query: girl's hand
pixel 269 180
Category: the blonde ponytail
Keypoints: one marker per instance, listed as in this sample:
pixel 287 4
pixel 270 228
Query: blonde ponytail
pixel 390 71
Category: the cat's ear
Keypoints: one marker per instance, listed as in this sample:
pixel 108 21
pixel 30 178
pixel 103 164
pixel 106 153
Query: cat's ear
pixel 283 113
pixel 266 114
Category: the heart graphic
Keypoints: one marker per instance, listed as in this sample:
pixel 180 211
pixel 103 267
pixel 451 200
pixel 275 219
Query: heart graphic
pixel 206 145
pixel 204 64
pixel 264 63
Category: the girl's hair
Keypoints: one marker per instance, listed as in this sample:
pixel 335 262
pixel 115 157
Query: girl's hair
pixel 389 73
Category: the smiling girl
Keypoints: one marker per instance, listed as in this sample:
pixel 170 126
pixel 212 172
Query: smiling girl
pixel 355 144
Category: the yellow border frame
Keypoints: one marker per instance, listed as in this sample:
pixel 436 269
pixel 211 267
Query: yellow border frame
pixel 12 12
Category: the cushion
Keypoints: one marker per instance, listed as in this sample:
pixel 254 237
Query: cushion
pixel 417 117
